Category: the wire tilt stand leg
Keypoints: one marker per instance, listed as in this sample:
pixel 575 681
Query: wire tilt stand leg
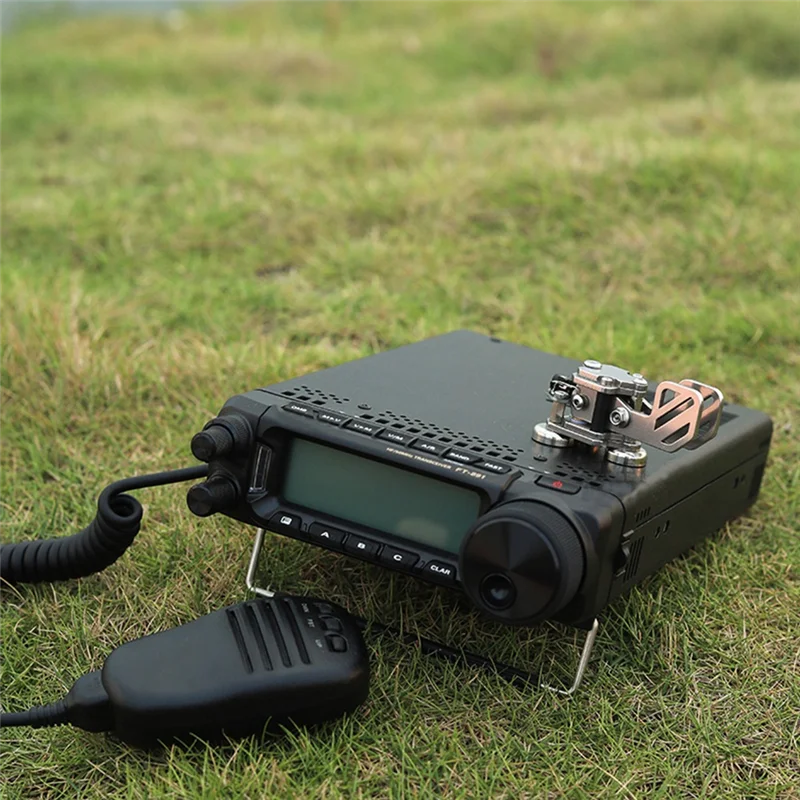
pixel 431 647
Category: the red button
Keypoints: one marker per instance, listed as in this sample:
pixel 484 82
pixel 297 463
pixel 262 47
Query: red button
pixel 566 487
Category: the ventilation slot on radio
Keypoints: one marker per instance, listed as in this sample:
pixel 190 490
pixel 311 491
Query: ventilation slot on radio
pixel 642 515
pixel 308 394
pixel 438 433
pixel 412 426
pixel 590 474
pixel 633 561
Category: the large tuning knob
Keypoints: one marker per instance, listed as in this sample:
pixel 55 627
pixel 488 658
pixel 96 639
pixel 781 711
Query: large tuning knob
pixel 522 562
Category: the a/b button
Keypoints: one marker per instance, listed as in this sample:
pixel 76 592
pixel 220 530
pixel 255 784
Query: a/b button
pixel 398 558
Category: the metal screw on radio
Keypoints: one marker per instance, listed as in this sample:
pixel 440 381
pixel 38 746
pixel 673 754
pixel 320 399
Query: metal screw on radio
pixel 619 417
pixel 579 402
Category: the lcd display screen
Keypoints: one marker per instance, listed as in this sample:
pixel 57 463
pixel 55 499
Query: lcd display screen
pixel 380 496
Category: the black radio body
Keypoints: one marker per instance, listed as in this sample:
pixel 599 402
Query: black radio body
pixel 421 459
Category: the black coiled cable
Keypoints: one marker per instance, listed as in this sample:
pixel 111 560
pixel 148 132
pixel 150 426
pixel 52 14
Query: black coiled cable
pixel 97 546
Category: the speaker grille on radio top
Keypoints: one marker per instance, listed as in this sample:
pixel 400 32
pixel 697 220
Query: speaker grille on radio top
pixel 415 427
pixel 445 435
pixel 308 394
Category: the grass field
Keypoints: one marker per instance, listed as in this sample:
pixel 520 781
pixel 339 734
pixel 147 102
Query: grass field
pixel 198 205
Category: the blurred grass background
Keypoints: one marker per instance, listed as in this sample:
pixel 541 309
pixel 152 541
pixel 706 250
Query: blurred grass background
pixel 219 198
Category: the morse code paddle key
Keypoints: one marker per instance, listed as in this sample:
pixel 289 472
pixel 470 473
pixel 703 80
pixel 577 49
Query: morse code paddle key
pixel 604 406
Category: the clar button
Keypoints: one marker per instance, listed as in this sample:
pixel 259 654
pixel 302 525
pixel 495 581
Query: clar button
pixel 440 571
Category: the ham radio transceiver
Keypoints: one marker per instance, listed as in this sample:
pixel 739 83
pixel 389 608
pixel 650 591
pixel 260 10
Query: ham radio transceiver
pixel 541 487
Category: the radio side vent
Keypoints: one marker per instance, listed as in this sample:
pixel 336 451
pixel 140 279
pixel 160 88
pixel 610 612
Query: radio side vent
pixel 633 561
pixel 642 515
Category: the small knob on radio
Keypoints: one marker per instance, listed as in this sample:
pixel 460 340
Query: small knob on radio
pixel 522 562
pixel 214 441
pixel 215 494
pixel 221 436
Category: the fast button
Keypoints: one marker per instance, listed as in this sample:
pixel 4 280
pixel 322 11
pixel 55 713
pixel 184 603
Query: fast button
pixel 493 466
pixel 399 558
pixel 440 571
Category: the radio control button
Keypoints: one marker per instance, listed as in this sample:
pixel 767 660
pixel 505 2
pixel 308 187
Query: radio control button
pixel 428 447
pixel 361 547
pixel 440 571
pixel 281 520
pixel 338 644
pixel 324 608
pixel 460 456
pixel 331 624
pixel 331 418
pixel 299 408
pixel 493 466
pixel 399 558
pixel 559 485
pixel 324 533
pixel 362 427
pixel 395 436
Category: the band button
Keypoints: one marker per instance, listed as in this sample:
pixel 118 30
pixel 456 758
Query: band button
pixel 440 571
pixel 398 558
pixel 460 456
